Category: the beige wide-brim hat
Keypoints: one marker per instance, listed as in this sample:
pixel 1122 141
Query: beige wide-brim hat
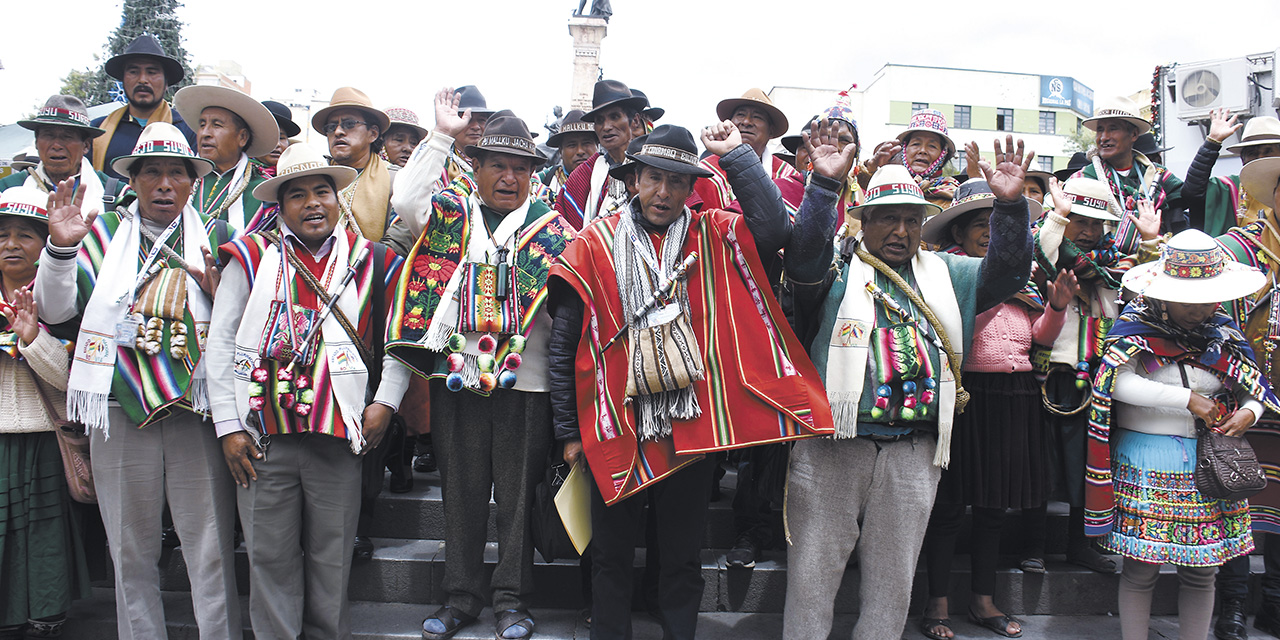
pixel 1259 130
pixel 1121 108
pixel 1193 269
pixel 1259 179
pixel 162 140
pixel 759 99
pixel 975 193
pixel 25 202
pixel 350 98
pixel 191 101
pixel 299 161
pixel 1089 198
pixel 893 184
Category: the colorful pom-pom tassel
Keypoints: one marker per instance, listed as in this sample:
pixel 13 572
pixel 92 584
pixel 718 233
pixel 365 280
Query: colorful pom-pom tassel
pixel 884 391
pixel 512 361
pixel 487 343
pixel 909 387
pixel 908 414
pixel 284 374
pixel 486 362
pixel 516 344
pixel 287 400
pixel 487 382
pixel 456 362
pixel 453 381
pixel 882 402
pixel 302 382
pixel 259 375
pixel 457 342
pixel 507 379
pixel 256 403
pixel 877 413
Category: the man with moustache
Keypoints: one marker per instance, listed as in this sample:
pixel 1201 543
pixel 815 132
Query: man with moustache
pixel 354 129
pixel 63 134
pixel 615 113
pixel 146 72
pixel 576 141
pixel 288 129
pixel 758 121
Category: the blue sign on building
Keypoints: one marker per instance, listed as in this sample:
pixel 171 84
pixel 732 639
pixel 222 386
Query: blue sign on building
pixel 1066 93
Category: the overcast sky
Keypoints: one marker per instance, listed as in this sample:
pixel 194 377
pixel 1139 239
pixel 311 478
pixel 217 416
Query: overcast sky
pixel 686 54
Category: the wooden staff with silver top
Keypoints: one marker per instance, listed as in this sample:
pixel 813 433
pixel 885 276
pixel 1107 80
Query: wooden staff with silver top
pixel 663 293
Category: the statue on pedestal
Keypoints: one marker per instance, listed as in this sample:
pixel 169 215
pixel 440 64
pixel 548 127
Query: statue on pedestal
pixel 599 9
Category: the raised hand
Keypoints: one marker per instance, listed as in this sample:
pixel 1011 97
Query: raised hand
pixel 210 276
pixel 1061 203
pixel 1222 124
pixel 971 158
pixel 1010 170
pixel 885 151
pixel 721 138
pixel 1062 289
pixel 821 140
pixel 67 225
pixel 1148 219
pixel 448 121
pixel 21 314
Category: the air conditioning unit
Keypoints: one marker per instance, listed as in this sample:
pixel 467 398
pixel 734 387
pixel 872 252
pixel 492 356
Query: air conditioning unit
pixel 1204 86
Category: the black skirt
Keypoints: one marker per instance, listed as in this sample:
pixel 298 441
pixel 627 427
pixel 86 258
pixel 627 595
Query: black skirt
pixel 999 445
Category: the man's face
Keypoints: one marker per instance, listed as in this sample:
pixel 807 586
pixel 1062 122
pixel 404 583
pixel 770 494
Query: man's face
pixel 802 158
pixel 922 150
pixel 502 180
pixel 1251 153
pixel 163 187
pixel 891 232
pixel 61 149
pixel 1114 139
pixel 754 124
pixel 845 135
pixel 399 144
pixel 575 148
pixel 309 206
pixel 220 137
pixel 143 81
pixel 613 129
pixel 474 130
pixel 662 193
pixel 1084 231
pixel 273 156
pixel 351 133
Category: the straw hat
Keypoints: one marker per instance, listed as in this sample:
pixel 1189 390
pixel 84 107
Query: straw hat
pixel 162 140
pixel 973 194
pixel 1257 131
pixel 350 98
pixel 1121 108
pixel 1089 198
pixel 1259 179
pixel 893 184
pixel 25 159
pixel 299 161
pixel 759 99
pixel 1193 269
pixel 25 202
pixel 191 101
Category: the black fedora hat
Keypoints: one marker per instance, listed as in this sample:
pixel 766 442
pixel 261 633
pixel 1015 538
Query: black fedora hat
pixel 1146 145
pixel 505 133
pixel 651 112
pixel 283 116
pixel 609 93
pixel 469 97
pixel 146 45
pixel 792 142
pixel 628 165
pixel 671 148
pixel 572 123
pixel 1077 162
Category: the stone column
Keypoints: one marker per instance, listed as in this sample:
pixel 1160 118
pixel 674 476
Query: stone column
pixel 587 33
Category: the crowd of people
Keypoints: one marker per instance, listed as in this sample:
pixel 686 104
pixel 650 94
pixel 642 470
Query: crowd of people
pixel 252 331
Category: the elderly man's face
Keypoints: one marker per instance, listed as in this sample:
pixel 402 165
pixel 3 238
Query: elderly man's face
pixel 163 186
pixel 1084 231
pixel 575 148
pixel 1253 152
pixel 502 180
pixel 143 81
pixel 309 207
pixel 351 134
pixel 61 149
pixel 613 129
pixel 891 232
pixel 399 143
pixel 922 150
pixel 1114 139
pixel 221 136
pixel 662 193
pixel 755 126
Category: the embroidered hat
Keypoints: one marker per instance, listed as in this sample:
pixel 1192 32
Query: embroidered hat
pixel 1259 130
pixel 842 110
pixel 405 118
pixel 284 117
pixel 299 161
pixel 63 111
pixel 146 45
pixel 930 121
pixel 25 202
pixel 652 113
pixel 1089 198
pixel 1193 269
pixel 628 165
pixel 161 140
pixel 572 123
pixel 350 98
pixel 670 148
pixel 1120 108
pixel 893 184
pixel 1146 145
pixel 610 93
pixel 191 101
pixel 505 133
pixel 1259 179
pixel 469 97
pixel 753 97
pixel 1077 162
pixel 973 194
pixel 24 159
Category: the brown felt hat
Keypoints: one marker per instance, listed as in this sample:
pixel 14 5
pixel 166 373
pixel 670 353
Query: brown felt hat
pixel 350 98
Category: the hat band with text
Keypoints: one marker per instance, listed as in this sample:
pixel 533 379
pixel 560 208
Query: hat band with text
pixel 301 166
pixel 149 147
pixel 57 112
pixel 576 127
pixel 21 209
pixel 1114 113
pixel 669 153
pixel 511 142
pixel 894 189
pixel 1088 201
pixel 973 197
pixel 1194 264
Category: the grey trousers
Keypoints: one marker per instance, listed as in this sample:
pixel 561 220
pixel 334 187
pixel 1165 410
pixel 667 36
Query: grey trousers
pixel 856 494
pixel 135 470
pixel 299 521
pixel 497 444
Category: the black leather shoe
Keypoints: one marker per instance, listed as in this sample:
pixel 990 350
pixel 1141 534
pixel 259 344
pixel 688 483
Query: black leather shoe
pixel 1231 621
pixel 363 549
pixel 169 537
pixel 426 460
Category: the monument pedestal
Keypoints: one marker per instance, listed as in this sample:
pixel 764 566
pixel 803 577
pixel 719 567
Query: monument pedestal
pixel 587 33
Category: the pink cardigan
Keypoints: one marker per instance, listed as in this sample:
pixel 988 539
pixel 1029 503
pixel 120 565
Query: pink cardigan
pixel 1002 337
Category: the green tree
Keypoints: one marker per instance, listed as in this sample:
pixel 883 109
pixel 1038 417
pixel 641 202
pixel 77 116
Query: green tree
pixel 156 17
pixel 1081 141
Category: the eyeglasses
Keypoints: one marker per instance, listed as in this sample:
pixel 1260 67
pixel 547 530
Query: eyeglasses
pixel 347 124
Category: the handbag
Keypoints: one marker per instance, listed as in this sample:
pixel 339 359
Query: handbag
pixel 1226 466
pixel 73 444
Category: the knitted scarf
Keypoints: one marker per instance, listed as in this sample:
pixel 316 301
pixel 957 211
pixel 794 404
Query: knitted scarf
pixel 162 114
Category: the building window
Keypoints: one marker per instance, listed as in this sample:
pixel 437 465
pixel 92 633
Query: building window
pixel 1048 122
pixel 919 106
pixel 1046 162
pixel 1004 119
pixel 962 119
pixel 959 163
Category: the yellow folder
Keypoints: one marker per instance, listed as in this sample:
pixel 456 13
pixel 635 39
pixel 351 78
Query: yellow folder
pixel 573 501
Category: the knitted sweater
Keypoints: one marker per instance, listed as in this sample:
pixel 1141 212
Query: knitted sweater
pixel 1002 337
pixel 19 399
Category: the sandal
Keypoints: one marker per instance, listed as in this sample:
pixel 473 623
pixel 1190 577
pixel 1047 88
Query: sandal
pixel 927 626
pixel 999 624
pixel 1032 565
pixel 451 621
pixel 1089 558
pixel 514 624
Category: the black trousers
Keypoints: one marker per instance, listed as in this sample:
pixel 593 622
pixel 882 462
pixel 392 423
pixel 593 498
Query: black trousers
pixel 679 508
pixel 984 547
pixel 1233 575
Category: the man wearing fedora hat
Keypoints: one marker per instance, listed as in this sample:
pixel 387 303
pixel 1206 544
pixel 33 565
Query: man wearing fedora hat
pixel 146 72
pixel 469 315
pixel 295 449
pixel 615 114
pixel 288 129
pixel 354 129
pixel 758 122
pixel 63 134
pixel 576 140
pixel 141 280
pixel 889 325
pixel 641 427
pixel 231 128
pixel 402 136
pixel 1216 204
